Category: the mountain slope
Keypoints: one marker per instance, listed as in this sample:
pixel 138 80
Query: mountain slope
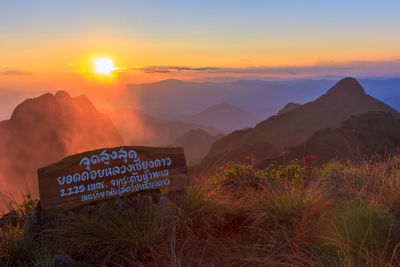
pixel 288 107
pixel 223 116
pixel 368 134
pixel 196 144
pixel 393 101
pixel 45 129
pixel 345 98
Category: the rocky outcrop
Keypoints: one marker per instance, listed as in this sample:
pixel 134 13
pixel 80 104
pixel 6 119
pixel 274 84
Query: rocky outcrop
pixel 45 129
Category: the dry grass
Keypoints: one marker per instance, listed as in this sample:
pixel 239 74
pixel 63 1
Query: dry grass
pixel 348 216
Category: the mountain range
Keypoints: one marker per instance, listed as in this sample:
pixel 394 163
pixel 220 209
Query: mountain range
pixel 262 98
pixel 223 116
pixel 345 98
pixel 47 128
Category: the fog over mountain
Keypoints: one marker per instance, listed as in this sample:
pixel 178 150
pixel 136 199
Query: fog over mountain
pixel 139 128
pixel 45 129
pixel 223 116
pixel 196 144
pixel 10 98
pixel 261 98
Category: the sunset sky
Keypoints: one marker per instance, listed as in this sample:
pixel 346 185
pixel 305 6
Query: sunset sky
pixel 53 44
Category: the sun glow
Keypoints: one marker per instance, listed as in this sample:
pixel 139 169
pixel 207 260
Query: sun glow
pixel 104 66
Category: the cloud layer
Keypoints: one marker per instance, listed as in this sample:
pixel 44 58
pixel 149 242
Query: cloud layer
pixel 352 67
pixel 15 72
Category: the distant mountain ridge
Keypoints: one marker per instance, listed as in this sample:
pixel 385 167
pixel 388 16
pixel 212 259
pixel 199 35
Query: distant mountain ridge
pixel 288 107
pixel 262 98
pixel 223 116
pixel 139 128
pixel 196 144
pixel 345 98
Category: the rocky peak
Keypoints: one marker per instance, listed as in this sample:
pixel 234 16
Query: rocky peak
pixel 62 96
pixel 288 107
pixel 347 87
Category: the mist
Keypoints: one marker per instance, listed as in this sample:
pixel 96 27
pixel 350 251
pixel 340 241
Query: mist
pixel 44 130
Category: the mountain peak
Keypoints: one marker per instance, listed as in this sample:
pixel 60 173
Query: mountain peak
pixel 62 96
pixel 224 105
pixel 347 87
pixel 288 107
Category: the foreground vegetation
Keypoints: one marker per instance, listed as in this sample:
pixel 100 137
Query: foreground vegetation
pixel 343 214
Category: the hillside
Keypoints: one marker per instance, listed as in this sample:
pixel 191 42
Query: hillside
pixel 366 135
pixel 223 116
pixel 45 129
pixel 344 99
pixel 196 144
pixel 246 154
pixel 349 215
pixel 288 107
pixel 393 101
pixel 139 128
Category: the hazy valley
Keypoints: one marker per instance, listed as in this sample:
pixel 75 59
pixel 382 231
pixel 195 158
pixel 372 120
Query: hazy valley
pixel 331 134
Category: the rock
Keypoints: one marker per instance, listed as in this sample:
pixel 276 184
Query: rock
pixel 63 261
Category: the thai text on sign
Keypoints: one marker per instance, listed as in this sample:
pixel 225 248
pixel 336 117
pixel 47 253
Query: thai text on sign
pixel 110 172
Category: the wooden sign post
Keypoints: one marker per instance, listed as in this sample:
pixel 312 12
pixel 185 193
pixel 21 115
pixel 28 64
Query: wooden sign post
pixel 110 172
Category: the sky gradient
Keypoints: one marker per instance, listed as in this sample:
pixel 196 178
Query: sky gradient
pixel 48 44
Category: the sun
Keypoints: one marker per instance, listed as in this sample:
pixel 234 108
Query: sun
pixel 104 66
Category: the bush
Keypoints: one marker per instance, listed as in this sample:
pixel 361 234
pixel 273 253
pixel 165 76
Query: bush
pixel 113 237
pixel 348 216
pixel 292 172
pixel 364 234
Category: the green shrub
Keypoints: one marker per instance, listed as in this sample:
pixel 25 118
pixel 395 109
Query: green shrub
pixel 240 175
pixel 292 172
pixel 365 234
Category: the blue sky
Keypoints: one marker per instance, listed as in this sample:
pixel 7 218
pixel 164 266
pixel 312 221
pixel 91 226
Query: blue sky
pixel 42 36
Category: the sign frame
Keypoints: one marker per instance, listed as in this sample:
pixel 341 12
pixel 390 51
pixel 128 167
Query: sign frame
pixel 111 172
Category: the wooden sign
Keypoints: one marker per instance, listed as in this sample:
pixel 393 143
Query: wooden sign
pixel 110 172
